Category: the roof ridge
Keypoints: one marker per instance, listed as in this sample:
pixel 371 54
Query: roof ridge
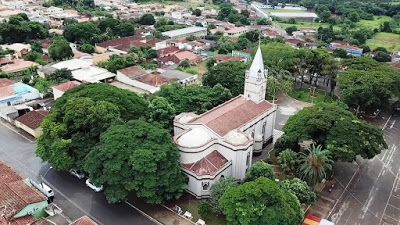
pixel 216 107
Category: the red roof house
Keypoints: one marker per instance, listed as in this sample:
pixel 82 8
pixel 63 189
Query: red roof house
pixel 60 89
pixel 31 121
pixel 15 196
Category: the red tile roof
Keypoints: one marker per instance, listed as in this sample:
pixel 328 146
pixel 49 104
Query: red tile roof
pixel 133 71
pixel 227 58
pixel 209 165
pixel 168 50
pixel 5 82
pixel 232 114
pixel 24 220
pixel 33 119
pixel 186 55
pixel 155 80
pixel 15 194
pixel 67 86
pixel 84 220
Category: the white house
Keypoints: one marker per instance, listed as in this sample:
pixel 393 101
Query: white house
pixel 221 141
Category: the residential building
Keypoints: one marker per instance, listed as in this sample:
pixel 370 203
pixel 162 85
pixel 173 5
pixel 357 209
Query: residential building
pixel 180 56
pixel 83 71
pixel 60 89
pixel 351 50
pixel 124 44
pixel 30 122
pixel 17 65
pixel 220 142
pixel 19 201
pixel 180 77
pixel 16 93
pixel 184 33
pixel 84 220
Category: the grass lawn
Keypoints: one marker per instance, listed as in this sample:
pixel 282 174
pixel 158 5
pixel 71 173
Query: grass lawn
pixel 371 24
pixel 301 25
pixel 193 207
pixel 304 95
pixel 387 40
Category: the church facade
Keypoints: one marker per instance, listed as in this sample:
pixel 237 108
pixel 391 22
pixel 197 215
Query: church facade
pixel 220 142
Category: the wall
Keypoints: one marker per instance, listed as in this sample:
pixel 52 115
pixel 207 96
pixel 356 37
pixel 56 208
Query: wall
pixel 195 186
pixel 57 93
pixel 35 133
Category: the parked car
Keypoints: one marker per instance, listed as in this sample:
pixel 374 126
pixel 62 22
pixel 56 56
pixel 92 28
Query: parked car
pixel 94 187
pixel 77 173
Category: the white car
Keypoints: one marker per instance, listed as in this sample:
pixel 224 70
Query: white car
pixel 77 173
pixel 93 187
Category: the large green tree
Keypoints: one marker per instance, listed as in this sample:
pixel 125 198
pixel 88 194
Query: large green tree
pixel 260 169
pixel 20 29
pixel 60 49
pixel 139 157
pixel 82 32
pixel 218 189
pixel 230 75
pixel 368 85
pixel 335 128
pixel 194 98
pixel 260 202
pixel 78 118
pixel 300 189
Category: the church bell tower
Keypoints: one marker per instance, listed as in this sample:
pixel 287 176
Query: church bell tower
pixel 256 79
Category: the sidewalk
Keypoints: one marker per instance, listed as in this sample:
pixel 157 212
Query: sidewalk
pixel 158 213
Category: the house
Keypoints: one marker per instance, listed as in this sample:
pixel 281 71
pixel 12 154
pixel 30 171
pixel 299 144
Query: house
pixel 124 44
pixel 351 50
pixel 184 33
pixel 270 33
pixel 15 93
pixel 60 89
pixel 19 49
pixel 179 76
pixel 180 56
pixel 228 58
pixel 84 220
pixel 83 71
pixel 294 42
pixel 220 142
pixel 17 65
pixel 30 122
pixel 19 201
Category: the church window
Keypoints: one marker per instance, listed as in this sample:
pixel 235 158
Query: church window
pixel 263 128
pixel 248 159
pixel 205 185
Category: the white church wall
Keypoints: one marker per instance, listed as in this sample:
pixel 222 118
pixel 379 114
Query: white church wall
pixel 195 185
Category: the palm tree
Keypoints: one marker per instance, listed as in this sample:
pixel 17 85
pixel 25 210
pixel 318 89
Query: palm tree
pixel 315 164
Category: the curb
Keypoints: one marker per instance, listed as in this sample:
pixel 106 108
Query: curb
pixel 144 214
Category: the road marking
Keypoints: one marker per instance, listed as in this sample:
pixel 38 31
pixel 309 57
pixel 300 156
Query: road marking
pixel 391 192
pixel 345 189
pixel 72 202
pixel 391 126
pixel 387 121
pixel 13 130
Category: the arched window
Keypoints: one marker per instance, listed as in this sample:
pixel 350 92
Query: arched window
pixel 205 185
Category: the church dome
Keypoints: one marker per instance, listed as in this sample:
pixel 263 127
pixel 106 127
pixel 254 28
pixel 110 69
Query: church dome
pixel 236 138
pixel 194 138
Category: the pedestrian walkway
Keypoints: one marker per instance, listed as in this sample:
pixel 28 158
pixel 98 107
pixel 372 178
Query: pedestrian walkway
pixel 159 213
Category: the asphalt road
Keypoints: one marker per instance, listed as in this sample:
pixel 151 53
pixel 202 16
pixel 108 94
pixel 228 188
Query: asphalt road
pixel 18 151
pixel 374 196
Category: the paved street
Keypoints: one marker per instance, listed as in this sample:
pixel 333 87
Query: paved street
pixel 17 151
pixel 374 196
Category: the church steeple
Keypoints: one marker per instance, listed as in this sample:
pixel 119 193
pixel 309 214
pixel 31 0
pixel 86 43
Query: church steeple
pixel 256 79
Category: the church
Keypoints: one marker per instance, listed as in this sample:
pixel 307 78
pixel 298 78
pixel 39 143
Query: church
pixel 221 142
